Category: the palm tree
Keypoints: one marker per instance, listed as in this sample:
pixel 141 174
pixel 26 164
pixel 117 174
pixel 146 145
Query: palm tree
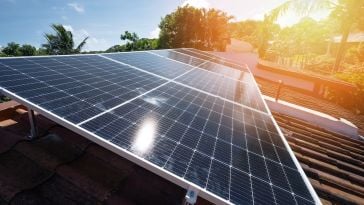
pixel 62 42
pixel 348 12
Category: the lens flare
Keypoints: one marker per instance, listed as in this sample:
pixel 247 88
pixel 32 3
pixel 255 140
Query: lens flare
pixel 145 137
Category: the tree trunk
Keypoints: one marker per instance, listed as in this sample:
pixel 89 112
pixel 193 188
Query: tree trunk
pixel 342 48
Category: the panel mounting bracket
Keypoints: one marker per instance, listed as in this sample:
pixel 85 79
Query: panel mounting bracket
pixel 191 196
pixel 33 124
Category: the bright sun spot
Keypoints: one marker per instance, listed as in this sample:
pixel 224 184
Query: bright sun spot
pixel 197 3
pixel 145 137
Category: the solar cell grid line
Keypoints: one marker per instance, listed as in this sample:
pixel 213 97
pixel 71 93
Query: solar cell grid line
pixel 65 83
pixel 182 139
pixel 248 160
pixel 48 85
pixel 175 80
pixel 150 63
pixel 198 141
pixel 234 183
pixel 92 125
pixel 209 172
pixel 223 168
pixel 228 72
pixel 282 177
pixel 224 61
pixel 220 162
pixel 95 88
pixel 268 173
pixel 208 66
pixel 112 147
pixel 115 77
pixel 168 80
pixel 212 58
pixel 45 76
pixel 50 60
pixel 187 59
pixel 237 91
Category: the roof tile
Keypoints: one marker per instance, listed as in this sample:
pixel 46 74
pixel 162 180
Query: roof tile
pixel 8 140
pixel 19 173
pixel 151 189
pixel 55 191
pixel 49 151
pixel 94 176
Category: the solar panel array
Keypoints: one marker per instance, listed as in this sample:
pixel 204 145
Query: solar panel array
pixel 186 112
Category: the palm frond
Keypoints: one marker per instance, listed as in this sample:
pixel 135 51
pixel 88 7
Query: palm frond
pixel 300 7
pixel 82 44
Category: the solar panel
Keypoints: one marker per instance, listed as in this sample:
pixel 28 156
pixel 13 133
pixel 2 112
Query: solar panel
pixel 236 85
pixel 74 88
pixel 197 127
pixel 212 58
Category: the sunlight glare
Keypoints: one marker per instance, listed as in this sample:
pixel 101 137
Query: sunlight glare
pixel 145 137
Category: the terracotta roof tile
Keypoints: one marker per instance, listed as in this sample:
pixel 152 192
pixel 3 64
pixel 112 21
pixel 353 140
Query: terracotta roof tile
pixel 49 151
pixel 71 138
pixel 8 140
pixel 94 176
pixel 19 173
pixel 310 101
pixel 56 190
pixel 333 162
pixel 151 189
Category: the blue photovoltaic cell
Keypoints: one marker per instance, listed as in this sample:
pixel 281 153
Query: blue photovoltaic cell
pixel 234 90
pixel 237 74
pixel 170 127
pixel 151 63
pixel 229 87
pixel 174 109
pixel 179 57
pixel 75 88
pixel 212 58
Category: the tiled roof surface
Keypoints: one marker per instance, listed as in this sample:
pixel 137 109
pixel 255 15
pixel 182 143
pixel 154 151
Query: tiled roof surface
pixel 333 162
pixel 297 97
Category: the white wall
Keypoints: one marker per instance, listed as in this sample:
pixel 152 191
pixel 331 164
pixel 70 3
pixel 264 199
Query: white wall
pixel 287 80
pixel 319 119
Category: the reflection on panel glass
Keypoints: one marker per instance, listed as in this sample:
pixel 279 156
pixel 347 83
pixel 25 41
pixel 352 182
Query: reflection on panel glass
pixel 189 127
pixel 210 57
pixel 202 139
pixel 74 87
pixel 190 60
pixel 144 139
pixel 151 63
pixel 245 93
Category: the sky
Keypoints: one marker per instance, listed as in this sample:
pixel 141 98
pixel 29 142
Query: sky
pixel 26 21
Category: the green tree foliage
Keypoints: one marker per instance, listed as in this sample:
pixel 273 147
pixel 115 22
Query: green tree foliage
pixel 306 37
pixel 355 56
pixel 27 50
pixel 116 48
pixel 131 39
pixel 197 28
pixel 246 31
pixel 61 42
pixel 349 14
pixel 14 49
pixel 134 43
pixel 356 78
